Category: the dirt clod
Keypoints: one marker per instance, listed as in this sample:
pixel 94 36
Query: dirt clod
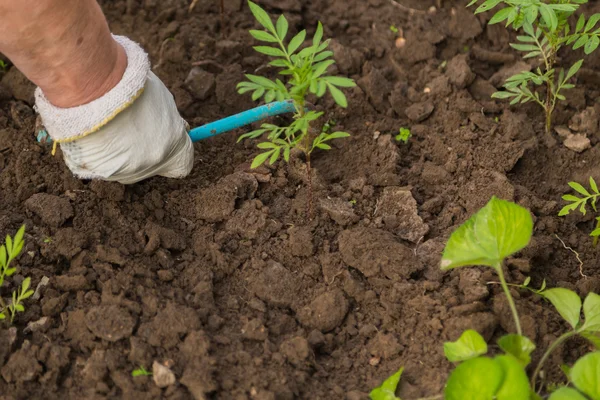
pixel 326 312
pixel 53 210
pixel 110 323
pixel 398 208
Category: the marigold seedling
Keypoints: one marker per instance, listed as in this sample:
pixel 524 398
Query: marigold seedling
pixel 403 135
pixel 141 371
pixel 546 29
pixel 304 70
pixel 588 198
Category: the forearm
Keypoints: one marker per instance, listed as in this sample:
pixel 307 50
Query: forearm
pixel 63 46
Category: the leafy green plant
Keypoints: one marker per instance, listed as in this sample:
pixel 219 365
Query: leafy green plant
pixel 141 371
pixel 495 232
pixel 304 70
pixel 589 198
pixel 403 135
pixel 8 253
pixel 546 29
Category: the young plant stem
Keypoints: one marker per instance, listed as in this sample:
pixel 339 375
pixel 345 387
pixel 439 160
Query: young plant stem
pixel 549 351
pixel 549 106
pixel 509 297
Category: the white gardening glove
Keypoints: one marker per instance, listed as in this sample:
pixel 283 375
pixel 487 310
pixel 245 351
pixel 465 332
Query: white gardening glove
pixel 131 133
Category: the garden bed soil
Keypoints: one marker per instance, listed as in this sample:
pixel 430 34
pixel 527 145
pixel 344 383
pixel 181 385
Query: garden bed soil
pixel 222 279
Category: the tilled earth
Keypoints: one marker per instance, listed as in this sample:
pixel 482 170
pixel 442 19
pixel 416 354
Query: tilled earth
pixel 221 278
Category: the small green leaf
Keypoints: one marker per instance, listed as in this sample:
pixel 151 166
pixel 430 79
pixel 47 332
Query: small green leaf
pixel 337 135
pixel 281 27
pixel 591 312
pixel 25 284
pixel 573 70
pixel 591 45
pixel 566 393
pixel 387 390
pixel 581 42
pixel 524 47
pixel 19 307
pixel 487 5
pixel 585 375
pixel 594 186
pixel 296 41
pixel 338 96
pixel 3 256
pixel 515 385
pixel 340 81
pixel 518 346
pixel 469 345
pixel 501 15
pixel 260 159
pixel 580 23
pixel 270 51
pixel 566 302
pixel 323 146
pixel 258 93
pixel 578 188
pixel 318 34
pixel 323 55
pixel 263 36
pixel 592 22
pixel 261 16
pixel 549 16
pixel 475 379
pixel 499 229
pixel 19 236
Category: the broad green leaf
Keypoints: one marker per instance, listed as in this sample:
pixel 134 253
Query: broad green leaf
pixel 261 16
pixel 469 345
pixel 318 34
pixel 387 390
pixel 340 81
pixel 270 51
pixel 580 42
pixel 296 41
pixel 592 22
pixel 281 27
pixel 566 302
pixel 573 70
pixel 260 159
pixel 515 385
pixel 501 15
pixel 585 375
pixel 263 36
pixel 258 93
pixel 499 229
pixel 338 96
pixel 517 346
pixel 549 16
pixel 591 45
pixel 475 379
pixel 566 393
pixel 591 312
pixel 580 23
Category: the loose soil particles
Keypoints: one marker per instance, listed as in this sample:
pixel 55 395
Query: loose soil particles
pixel 221 278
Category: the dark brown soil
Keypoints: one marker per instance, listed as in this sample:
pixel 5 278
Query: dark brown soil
pixel 219 277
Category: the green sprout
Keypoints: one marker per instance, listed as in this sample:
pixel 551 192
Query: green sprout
pixel 48 240
pixel 545 29
pixel 8 253
pixel 497 231
pixel 403 135
pixel 141 371
pixel 3 65
pixel 589 197
pixel 394 30
pixel 305 71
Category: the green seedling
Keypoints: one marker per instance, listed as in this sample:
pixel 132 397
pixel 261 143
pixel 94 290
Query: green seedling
pixel 394 30
pixel 589 198
pixel 403 135
pixel 495 232
pixel 3 65
pixel 48 240
pixel 8 253
pixel 141 371
pixel 304 65
pixel 545 28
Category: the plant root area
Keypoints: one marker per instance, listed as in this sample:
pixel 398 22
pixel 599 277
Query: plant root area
pixel 220 285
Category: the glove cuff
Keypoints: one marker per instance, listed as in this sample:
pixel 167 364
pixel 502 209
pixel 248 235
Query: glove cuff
pixel 68 124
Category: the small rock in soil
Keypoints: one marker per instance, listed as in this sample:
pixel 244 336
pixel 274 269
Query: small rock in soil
pixel 459 72
pixel 500 77
pixel 578 143
pixel 326 312
pixel 38 290
pixel 276 285
pixel 585 121
pixel 171 323
pixel 471 286
pixel 111 323
pixel 300 239
pixel 255 330
pixel 377 88
pixel 20 87
pixel 53 210
pixel 339 210
pixel 398 208
pixel 419 112
pixel 162 375
pixel 216 203
pixel 296 350
pixel 385 346
pixel 200 83
pixel 373 250
pixel 22 366
pixel 41 325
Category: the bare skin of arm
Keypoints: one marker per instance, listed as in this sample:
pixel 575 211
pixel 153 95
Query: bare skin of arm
pixel 63 46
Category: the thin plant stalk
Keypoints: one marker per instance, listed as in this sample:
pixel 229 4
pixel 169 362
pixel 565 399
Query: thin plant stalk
pixel 509 297
pixel 549 351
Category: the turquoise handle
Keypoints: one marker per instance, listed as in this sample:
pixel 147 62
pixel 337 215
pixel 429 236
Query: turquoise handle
pixel 225 124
